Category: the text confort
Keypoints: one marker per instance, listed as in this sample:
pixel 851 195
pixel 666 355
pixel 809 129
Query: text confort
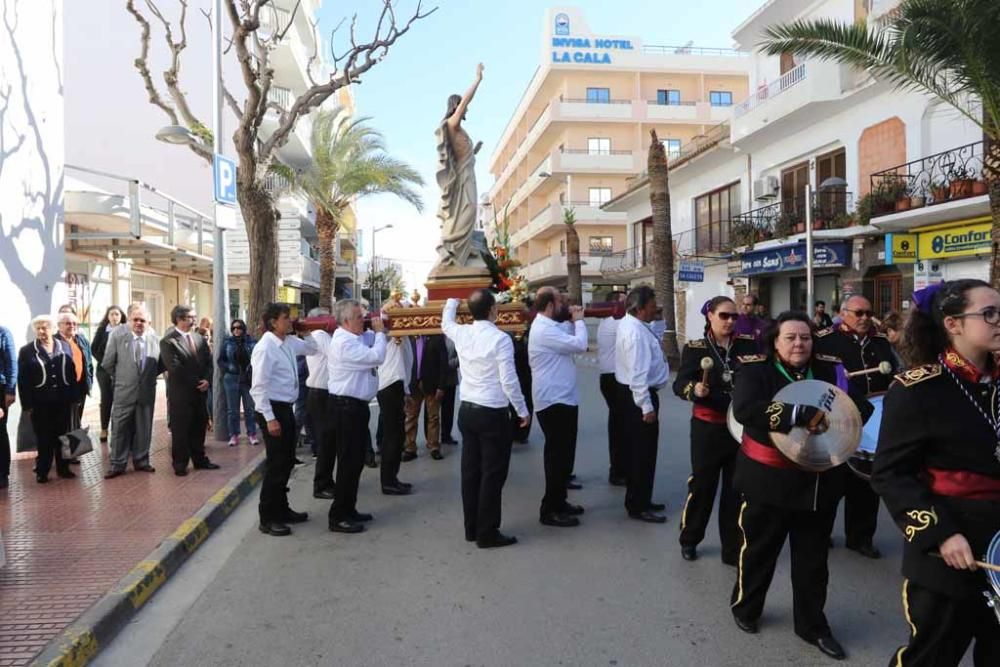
pixel 586 43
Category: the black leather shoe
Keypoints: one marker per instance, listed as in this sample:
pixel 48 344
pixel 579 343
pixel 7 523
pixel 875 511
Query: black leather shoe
pixel 867 550
pixel 274 528
pixel 346 527
pixel 291 516
pixel 66 474
pixel 181 472
pixel 689 552
pixel 436 454
pixel 497 541
pixel 360 517
pixel 731 561
pixel 146 468
pixel 405 485
pixel 573 486
pixel 42 479
pixel 657 507
pixel 395 490
pixel 298 461
pixel 323 494
pixel 111 474
pixel 449 441
pixel 749 627
pixel 571 509
pixel 648 516
pixel 559 520
pixel 408 455
pixel 206 465
pixel 370 461
pixel 829 646
pixel 617 481
pixel 4 482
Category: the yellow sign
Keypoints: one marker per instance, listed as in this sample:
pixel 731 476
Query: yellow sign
pixel 971 237
pixel 902 248
pixel 288 295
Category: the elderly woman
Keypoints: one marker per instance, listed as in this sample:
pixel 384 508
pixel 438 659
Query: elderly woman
pixel 48 387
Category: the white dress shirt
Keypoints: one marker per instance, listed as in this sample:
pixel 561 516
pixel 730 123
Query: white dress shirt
pixel 606 332
pixel 352 365
pixel 639 361
pixel 275 374
pixel 550 355
pixel 316 363
pixel 397 365
pixel 486 357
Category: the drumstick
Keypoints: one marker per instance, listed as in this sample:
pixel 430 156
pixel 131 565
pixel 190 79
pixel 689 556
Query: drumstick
pixel 885 368
pixel 706 367
pixel 979 563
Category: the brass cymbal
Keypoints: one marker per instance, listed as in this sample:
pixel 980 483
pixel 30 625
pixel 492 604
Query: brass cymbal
pixel 817 452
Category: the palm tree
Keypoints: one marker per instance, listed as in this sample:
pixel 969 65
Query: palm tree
pixel 663 244
pixel 948 48
pixel 349 162
pixel 574 271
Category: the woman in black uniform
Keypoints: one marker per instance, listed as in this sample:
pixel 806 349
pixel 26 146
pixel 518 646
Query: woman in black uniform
pixel 713 450
pixel 937 468
pixel 781 500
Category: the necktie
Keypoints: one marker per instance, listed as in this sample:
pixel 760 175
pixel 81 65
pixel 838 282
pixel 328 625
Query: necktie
pixel 191 347
pixel 420 354
pixel 140 352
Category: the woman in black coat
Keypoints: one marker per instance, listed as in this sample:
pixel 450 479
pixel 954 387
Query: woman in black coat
pixel 46 381
pixel 113 317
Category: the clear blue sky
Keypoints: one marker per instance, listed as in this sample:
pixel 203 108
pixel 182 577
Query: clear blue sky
pixel 406 93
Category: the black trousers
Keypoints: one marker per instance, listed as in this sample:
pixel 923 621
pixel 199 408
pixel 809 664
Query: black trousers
pixel 318 410
pixel 447 413
pixel 616 430
pixel 941 629
pixel 107 386
pixel 764 529
pixel 4 445
pixel 559 424
pixel 641 443
pixel 188 421
pixel 713 455
pixel 350 427
pixel 487 437
pixel 860 512
pixel 392 418
pixel 49 421
pixel 280 459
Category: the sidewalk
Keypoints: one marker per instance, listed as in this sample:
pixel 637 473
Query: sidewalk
pixel 69 541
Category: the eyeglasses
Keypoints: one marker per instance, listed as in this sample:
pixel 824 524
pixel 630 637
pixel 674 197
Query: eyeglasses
pixel 139 320
pixel 990 315
pixel 728 316
pixel 862 313
pixel 237 329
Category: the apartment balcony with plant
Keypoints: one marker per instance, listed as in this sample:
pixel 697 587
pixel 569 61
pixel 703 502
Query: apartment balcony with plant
pixel 831 210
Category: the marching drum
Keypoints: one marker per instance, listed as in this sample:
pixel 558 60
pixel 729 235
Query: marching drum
pixel 993 558
pixel 861 462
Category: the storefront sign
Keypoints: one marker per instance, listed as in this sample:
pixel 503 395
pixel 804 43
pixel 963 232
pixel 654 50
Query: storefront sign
pixel 793 258
pixel 900 248
pixel 288 295
pixel 692 272
pixel 969 238
pixel 926 273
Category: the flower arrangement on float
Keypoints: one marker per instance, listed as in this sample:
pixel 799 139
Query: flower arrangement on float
pixel 507 284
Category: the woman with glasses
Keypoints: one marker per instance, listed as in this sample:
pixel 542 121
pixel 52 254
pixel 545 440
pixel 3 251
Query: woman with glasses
pixel 234 361
pixel 713 449
pixel 937 467
pixel 113 316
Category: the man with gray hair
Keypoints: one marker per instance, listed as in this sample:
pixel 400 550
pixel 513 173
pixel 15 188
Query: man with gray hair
pixel 317 413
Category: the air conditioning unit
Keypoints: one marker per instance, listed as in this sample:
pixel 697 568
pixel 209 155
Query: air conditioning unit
pixel 766 188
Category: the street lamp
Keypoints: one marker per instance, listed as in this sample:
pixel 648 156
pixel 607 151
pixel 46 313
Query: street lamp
pixel 376 301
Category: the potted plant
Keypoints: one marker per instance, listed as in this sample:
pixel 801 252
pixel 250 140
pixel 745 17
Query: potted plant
pixel 866 208
pixel 743 234
pixel 783 225
pixel 843 220
pixel 939 190
pixel 888 192
pixel 819 218
pixel 917 197
pixel 960 182
pixel 980 187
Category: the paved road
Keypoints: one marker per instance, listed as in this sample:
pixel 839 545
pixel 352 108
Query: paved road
pixel 411 591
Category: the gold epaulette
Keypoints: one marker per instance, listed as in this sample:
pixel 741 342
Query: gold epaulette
pixel 829 358
pixel 745 337
pixel 752 358
pixel 918 374
pixel 824 332
pixel 700 342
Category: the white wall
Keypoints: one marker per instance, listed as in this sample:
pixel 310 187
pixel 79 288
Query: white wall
pixel 944 128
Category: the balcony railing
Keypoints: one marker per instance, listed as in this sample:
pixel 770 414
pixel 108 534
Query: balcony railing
pixel 935 179
pixel 274 19
pixel 691 51
pixel 581 100
pixel 628 260
pixel 280 96
pixel 276 184
pixel 830 210
pixel 587 151
pixel 683 103
pixel 789 79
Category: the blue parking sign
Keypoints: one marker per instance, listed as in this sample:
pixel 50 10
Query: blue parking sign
pixel 224 175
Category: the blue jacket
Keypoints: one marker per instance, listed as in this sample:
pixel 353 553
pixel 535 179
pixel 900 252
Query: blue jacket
pixel 8 361
pixel 45 379
pixel 88 361
pixel 227 357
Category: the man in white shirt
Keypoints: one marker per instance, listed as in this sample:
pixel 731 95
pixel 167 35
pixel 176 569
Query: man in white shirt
pixel 274 387
pixel 606 333
pixel 489 384
pixel 641 370
pixel 352 383
pixel 317 413
pixel 550 355
pixel 393 391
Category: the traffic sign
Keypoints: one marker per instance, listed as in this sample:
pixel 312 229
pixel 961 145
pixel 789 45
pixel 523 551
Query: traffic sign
pixel 692 272
pixel 224 175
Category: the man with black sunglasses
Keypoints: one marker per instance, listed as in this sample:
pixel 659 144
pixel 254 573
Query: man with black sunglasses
pixel 857 342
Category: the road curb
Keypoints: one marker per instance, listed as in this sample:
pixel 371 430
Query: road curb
pixel 82 640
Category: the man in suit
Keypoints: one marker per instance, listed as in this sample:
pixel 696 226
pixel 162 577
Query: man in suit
pixel 188 363
pixel 133 362
pixel 430 367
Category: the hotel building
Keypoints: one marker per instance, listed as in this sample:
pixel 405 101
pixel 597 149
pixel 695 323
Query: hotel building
pixel 581 132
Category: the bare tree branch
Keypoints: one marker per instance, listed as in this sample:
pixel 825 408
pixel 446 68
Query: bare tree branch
pixel 229 40
pixel 141 63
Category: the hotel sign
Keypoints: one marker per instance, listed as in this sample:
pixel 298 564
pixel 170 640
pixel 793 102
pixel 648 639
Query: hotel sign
pixel 583 50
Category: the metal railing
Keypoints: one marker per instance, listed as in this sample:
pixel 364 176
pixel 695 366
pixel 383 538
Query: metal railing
pixel 789 79
pixel 692 51
pixel 829 211
pixel 280 96
pixel 274 19
pixel 682 103
pixel 629 259
pixel 935 179
pixel 587 151
pixel 583 100
pixel 276 184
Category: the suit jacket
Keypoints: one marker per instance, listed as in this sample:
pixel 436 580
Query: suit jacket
pixel 434 370
pixel 132 386
pixel 184 369
pixel 87 380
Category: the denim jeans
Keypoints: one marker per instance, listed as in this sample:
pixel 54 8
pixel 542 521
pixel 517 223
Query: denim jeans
pixel 235 391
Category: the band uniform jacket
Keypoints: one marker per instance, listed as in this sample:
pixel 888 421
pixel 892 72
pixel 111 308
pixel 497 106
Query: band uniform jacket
pixel 788 486
pixel 719 390
pixel 936 468
pixel 184 369
pixel 858 354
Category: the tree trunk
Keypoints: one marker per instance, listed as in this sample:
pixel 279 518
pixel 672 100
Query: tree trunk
pixel 991 174
pixel 326 230
pixel 573 267
pixel 261 221
pixel 663 247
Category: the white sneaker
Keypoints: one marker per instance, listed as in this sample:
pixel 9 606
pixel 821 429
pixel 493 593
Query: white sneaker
pixel 233 441
pixel 253 440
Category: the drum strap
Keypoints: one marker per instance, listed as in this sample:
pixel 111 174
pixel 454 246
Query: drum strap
pixel 963 484
pixel 707 414
pixel 762 453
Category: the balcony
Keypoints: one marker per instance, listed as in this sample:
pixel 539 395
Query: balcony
pixel 830 210
pixel 582 159
pixel 554 268
pixel 549 221
pixel 938 188
pixel 582 109
pixel 628 261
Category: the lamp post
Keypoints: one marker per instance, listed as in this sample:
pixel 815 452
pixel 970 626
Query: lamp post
pixel 376 301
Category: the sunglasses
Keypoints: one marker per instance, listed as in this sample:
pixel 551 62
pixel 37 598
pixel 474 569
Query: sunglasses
pixel 728 316
pixel 862 313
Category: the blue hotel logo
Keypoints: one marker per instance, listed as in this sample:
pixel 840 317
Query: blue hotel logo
pixel 562 24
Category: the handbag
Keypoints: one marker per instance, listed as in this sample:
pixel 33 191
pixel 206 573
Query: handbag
pixel 76 443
